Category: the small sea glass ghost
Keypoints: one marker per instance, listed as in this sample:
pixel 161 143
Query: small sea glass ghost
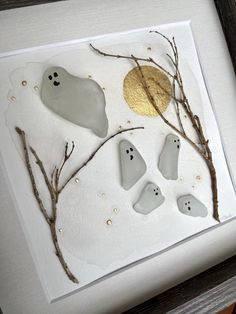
pixel 76 99
pixel 149 199
pixel 132 164
pixel 191 206
pixel 168 160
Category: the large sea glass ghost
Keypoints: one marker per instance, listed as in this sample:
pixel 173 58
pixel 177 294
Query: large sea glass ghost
pixel 149 199
pixel 78 100
pixel 168 160
pixel 191 206
pixel 133 166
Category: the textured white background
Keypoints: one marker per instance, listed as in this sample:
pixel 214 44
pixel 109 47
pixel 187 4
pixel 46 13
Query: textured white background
pixel 17 271
pixel 82 211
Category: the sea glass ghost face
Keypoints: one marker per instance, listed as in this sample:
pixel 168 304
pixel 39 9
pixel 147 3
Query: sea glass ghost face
pixel 149 199
pixel 191 206
pixel 132 164
pixel 78 100
pixel 168 160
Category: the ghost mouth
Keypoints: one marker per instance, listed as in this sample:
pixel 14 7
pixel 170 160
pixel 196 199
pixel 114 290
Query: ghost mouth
pixel 55 83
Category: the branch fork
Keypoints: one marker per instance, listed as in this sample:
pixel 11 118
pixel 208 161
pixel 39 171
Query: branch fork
pixel 201 145
pixel 55 188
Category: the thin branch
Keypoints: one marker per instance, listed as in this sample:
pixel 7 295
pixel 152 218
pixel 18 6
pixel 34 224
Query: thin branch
pixel 149 60
pixel 93 154
pixel 47 182
pixel 51 221
pixel 41 167
pixel 60 255
pixel 176 104
pixel 165 37
pixel 201 136
pixel 165 90
pixel 52 177
pixel 31 175
pixel 153 102
pixel 66 157
pixel 55 176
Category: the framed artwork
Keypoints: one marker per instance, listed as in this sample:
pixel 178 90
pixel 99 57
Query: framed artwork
pixel 114 155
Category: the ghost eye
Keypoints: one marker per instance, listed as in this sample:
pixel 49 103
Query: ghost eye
pixel 175 141
pixel 55 74
pixel 50 77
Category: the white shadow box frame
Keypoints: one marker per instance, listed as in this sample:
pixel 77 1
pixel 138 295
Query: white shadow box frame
pixel 42 25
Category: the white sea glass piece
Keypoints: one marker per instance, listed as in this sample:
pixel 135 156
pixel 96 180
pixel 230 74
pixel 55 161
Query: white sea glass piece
pixel 168 160
pixel 149 199
pixel 132 163
pixel 191 206
pixel 78 100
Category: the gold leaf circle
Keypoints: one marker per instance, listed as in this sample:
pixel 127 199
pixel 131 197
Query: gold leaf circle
pixel 135 95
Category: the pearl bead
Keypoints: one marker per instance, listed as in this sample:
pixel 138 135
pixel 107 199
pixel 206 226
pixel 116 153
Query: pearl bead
pixel 109 222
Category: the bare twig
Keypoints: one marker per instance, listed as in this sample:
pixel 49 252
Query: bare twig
pixel 66 157
pixel 52 177
pixel 50 220
pixel 153 102
pixel 150 60
pixel 60 255
pixel 41 166
pixel 176 104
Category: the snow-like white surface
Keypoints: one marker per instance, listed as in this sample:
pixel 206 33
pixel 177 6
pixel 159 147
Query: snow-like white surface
pixel 92 248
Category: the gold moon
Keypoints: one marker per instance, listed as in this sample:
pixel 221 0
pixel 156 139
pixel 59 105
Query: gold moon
pixel 159 87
